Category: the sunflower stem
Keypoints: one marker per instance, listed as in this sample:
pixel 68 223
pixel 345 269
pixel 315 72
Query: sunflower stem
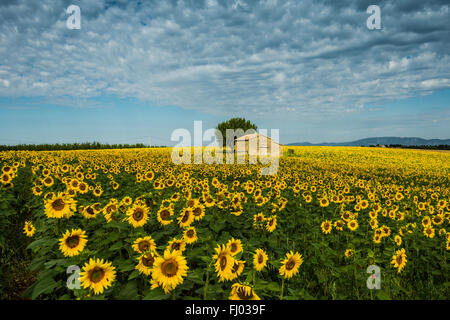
pixel 205 288
pixel 282 289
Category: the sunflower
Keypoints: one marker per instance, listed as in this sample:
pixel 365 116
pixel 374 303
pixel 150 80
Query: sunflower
pixel 290 264
pixel 326 226
pixel 259 218
pixel 149 175
pixel 126 201
pixel 97 275
pixel 83 188
pixel 175 197
pixel 60 206
pixel 89 212
pixel 385 231
pixel 163 215
pixel 308 199
pixel 137 215
pixel 198 211
pixel 339 225
pixel 146 261
pixel 349 253
pixel 426 221
pixel 242 292
pixel 98 191
pixel 190 235
pixel 271 223
pixel 109 210
pixel 398 240
pixel 73 184
pixel 324 202
pixel 364 204
pixel 176 245
pixel 352 225
pixel 224 262
pixel 142 245
pixel 191 203
pixel 48 181
pixel 399 259
pixel 168 270
pixel 237 269
pixel 377 238
pixel 73 242
pixel 429 232
pixel 209 201
pixel 373 223
pixel 259 259
pixel 29 229
pixel 37 191
pixel 438 219
pixel 235 246
pixel 185 218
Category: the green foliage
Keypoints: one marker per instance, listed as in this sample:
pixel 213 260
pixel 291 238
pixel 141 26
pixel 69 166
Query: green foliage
pixel 72 146
pixel 234 124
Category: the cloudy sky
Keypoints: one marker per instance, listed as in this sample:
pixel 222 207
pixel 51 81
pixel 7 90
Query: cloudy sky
pixel 139 69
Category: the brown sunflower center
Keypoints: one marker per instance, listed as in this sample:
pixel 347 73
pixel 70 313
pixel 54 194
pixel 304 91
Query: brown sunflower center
pixel 260 259
pixel 290 264
pixel 164 214
pixel 242 294
pixel 197 211
pixel 185 217
pixel 176 246
pixel 144 246
pixel 138 214
pixel 190 233
pixel 169 268
pixel 223 262
pixel 58 204
pixel 148 260
pixel 73 241
pixel 234 247
pixel 97 274
pixel 399 260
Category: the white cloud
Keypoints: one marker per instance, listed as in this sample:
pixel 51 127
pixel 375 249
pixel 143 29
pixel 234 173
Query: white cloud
pixel 227 58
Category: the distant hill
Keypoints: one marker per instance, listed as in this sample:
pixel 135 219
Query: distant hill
pixel 410 141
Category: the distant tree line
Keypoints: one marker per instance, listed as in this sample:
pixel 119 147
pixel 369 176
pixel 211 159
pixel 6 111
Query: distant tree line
pixel 71 146
pixel 437 147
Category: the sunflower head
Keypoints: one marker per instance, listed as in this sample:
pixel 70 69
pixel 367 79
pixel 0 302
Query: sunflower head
pixel 259 259
pixel 242 292
pixel 190 235
pixel 169 270
pixel 290 264
pixel 235 246
pixel 29 229
pixel 97 275
pixel 142 245
pixel 138 215
pixel 73 242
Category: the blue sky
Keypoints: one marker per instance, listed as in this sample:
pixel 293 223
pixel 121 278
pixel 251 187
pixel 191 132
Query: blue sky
pixel 143 69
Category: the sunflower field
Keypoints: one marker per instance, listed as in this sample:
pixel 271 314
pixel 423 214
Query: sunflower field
pixel 130 224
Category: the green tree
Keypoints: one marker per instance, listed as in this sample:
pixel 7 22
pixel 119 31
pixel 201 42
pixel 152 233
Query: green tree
pixel 234 124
